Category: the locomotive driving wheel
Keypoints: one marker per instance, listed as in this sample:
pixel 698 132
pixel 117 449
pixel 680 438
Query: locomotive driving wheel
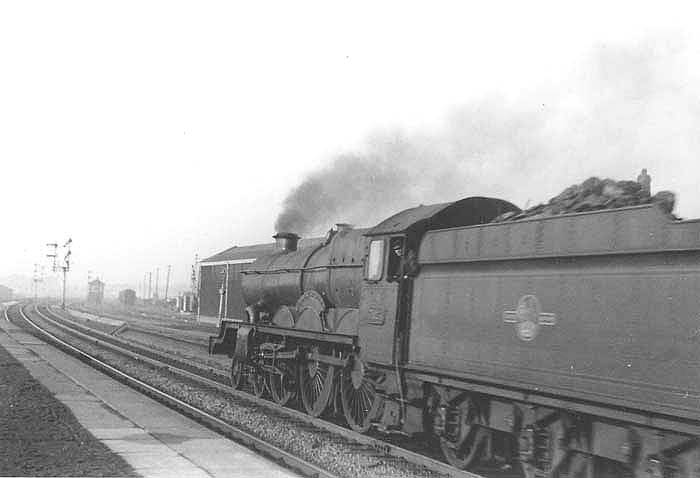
pixel 464 438
pixel 256 379
pixel 283 385
pixel 237 374
pixel 315 384
pixel 359 398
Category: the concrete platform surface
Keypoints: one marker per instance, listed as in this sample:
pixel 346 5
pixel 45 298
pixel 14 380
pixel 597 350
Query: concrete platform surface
pixel 155 440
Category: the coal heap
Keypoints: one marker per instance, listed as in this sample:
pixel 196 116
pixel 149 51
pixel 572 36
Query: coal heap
pixel 592 195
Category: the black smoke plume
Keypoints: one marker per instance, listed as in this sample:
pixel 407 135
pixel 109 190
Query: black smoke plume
pixel 629 107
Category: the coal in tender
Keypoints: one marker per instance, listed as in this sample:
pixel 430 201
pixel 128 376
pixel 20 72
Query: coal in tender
pixel 592 195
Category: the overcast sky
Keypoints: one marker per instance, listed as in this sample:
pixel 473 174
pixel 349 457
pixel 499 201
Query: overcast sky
pixel 151 131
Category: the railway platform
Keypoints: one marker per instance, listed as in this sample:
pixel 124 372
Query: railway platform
pixel 153 439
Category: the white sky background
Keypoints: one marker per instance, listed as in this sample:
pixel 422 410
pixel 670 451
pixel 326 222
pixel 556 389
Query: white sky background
pixel 151 131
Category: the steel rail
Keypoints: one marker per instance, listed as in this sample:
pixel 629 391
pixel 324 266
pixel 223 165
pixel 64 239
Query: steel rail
pixel 386 448
pixel 145 329
pixel 120 315
pixel 257 444
pixel 108 339
pixel 162 334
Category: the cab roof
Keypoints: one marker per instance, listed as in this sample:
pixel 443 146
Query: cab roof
pixel 465 212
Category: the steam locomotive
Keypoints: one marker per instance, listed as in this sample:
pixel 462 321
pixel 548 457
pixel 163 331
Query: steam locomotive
pixel 570 344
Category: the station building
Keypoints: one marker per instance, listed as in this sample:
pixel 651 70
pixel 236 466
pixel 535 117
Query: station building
pixel 220 294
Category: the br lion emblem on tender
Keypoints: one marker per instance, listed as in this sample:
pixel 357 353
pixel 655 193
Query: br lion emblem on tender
pixel 528 317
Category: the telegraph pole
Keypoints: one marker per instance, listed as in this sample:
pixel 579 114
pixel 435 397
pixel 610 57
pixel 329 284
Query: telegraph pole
pixel 193 277
pixel 195 284
pixel 150 275
pixel 167 283
pixel 53 247
pixel 66 267
pixel 155 296
pixel 34 282
pixel 36 279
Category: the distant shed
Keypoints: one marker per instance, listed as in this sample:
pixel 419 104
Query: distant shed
pixel 127 297
pixel 220 294
pixel 96 292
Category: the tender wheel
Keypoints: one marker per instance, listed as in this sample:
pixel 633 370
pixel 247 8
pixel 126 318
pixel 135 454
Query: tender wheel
pixel 359 397
pixel 465 454
pixel 315 385
pixel 237 374
pixel 464 440
pixel 283 386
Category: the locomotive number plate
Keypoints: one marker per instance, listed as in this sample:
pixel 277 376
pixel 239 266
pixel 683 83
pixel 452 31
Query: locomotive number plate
pixel 528 317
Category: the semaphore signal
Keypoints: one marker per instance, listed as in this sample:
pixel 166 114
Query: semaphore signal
pixel 64 267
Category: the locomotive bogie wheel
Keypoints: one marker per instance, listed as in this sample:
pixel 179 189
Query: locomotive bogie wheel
pixel 464 450
pixel 315 385
pixel 237 374
pixel 359 397
pixel 283 385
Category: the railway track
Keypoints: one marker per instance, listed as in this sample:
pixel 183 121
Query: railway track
pixel 156 332
pixel 291 461
pixel 159 329
pixel 134 318
pixel 214 379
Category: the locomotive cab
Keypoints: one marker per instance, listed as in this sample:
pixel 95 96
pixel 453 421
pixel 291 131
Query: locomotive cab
pixel 385 304
pixel 391 264
pixel 382 285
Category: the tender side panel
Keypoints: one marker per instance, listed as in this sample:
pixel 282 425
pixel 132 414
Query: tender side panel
pixel 635 229
pixel 616 329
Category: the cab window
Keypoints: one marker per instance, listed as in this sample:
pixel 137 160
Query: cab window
pixel 393 269
pixel 375 261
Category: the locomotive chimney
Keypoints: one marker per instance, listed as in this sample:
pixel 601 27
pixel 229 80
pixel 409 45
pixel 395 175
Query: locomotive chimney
pixel 287 241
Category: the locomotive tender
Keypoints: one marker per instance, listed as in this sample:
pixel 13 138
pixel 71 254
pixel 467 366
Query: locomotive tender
pixel 569 344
